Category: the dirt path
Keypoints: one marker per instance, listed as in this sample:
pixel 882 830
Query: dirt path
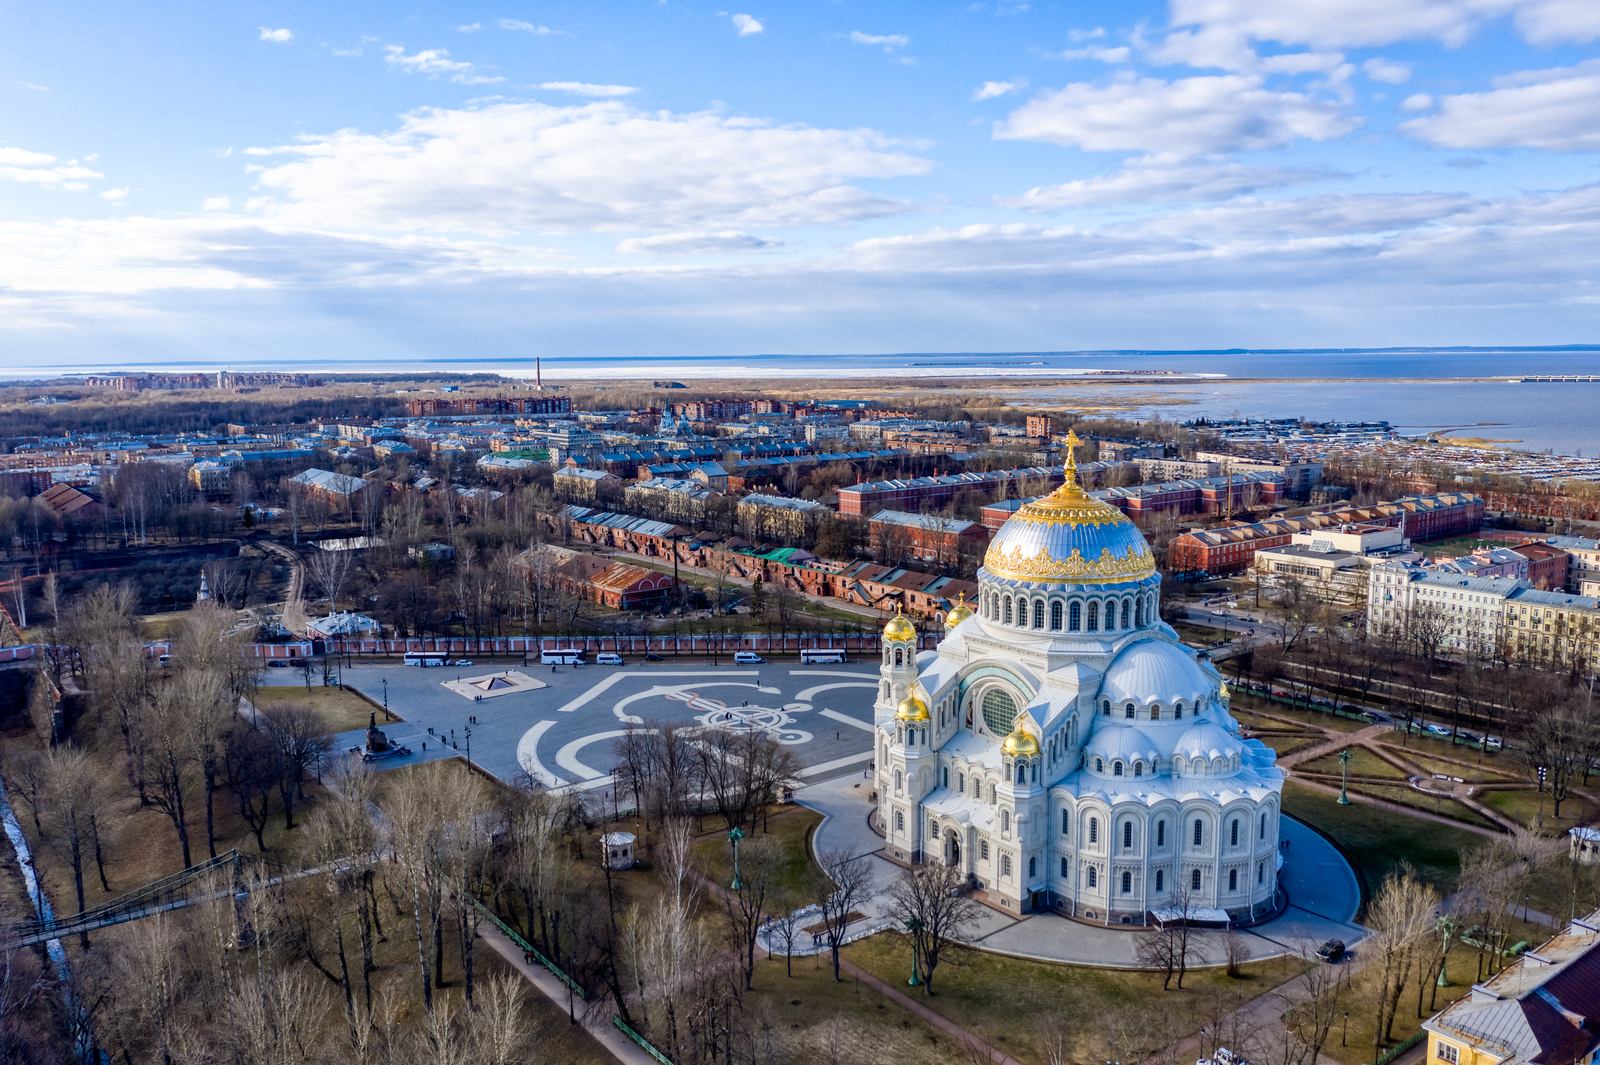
pixel 294 607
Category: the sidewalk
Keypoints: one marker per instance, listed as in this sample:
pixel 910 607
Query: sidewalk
pixel 605 1033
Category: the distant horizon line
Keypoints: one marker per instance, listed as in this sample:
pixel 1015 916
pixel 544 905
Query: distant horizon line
pixel 355 367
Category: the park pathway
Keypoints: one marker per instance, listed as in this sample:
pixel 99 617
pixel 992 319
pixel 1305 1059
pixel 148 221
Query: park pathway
pixel 605 1033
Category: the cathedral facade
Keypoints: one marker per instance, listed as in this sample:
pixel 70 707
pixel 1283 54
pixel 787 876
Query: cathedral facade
pixel 1063 748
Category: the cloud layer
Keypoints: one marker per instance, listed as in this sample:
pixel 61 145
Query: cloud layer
pixel 509 166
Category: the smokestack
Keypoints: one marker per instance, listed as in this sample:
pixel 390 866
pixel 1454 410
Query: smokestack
pixel 538 374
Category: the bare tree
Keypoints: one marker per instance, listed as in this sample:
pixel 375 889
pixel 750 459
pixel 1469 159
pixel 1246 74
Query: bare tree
pixel 328 571
pixel 759 861
pixel 848 887
pixel 928 901
pixel 75 794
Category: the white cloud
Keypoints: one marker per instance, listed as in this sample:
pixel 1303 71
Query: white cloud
pixel 505 166
pixel 216 203
pixel 31 86
pixel 519 26
pixel 1155 184
pixel 890 41
pixel 584 88
pixel 349 52
pixel 697 244
pixel 277 36
pixel 1370 23
pixel 1552 110
pixel 1086 35
pixel 1189 116
pixel 471 27
pixel 1419 101
pixel 116 195
pixel 1386 71
pixel 45 171
pixel 747 25
pixel 432 61
pixel 1103 55
pixel 990 89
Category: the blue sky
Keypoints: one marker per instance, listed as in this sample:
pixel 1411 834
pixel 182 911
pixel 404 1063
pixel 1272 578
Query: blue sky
pixel 231 183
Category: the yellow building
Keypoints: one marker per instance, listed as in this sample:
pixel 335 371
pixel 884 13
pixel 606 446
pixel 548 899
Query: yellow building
pixel 1543 1008
pixel 1554 629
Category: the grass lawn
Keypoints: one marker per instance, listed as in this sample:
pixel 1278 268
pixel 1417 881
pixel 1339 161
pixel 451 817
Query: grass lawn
pixel 1288 744
pixel 1451 769
pixel 1250 701
pixel 792 829
pixel 341 708
pixel 1108 1013
pixel 1425 744
pixel 1525 807
pixel 1376 841
pixel 1363 763
pixel 1439 807
pixel 814 1020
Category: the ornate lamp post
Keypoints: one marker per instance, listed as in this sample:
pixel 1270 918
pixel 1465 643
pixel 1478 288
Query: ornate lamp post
pixel 913 926
pixel 734 836
pixel 1344 775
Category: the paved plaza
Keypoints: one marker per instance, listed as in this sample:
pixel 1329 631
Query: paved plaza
pixel 561 733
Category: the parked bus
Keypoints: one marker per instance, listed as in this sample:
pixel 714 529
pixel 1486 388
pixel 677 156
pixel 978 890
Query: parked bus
pixel 824 654
pixel 562 656
pixel 426 659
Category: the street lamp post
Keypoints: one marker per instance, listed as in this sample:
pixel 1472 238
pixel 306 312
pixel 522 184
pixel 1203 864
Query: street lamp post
pixel 468 733
pixel 914 926
pixel 386 715
pixel 734 836
pixel 1344 776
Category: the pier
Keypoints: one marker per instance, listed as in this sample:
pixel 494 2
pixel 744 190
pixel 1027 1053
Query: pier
pixel 1556 378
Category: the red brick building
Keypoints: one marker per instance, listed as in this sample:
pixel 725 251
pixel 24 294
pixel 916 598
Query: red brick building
pixel 1547 565
pixel 1232 548
pixel 619 585
pixel 1041 425
pixel 926 536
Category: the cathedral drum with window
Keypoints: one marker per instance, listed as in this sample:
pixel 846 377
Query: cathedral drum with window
pixel 1063 748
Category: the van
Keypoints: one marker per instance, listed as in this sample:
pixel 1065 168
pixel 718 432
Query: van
pixel 748 658
pixel 608 658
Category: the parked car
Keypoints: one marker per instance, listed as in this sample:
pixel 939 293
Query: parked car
pixel 463 661
pixel 273 663
pixel 1438 730
pixel 1493 744
pixel 1332 950
pixel 652 657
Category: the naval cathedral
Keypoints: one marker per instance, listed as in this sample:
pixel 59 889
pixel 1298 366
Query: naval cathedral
pixel 1062 747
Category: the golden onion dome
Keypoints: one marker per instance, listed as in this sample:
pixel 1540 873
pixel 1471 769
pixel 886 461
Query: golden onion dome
pixel 911 709
pixel 1222 690
pixel 899 628
pixel 959 613
pixel 1069 537
pixel 1020 744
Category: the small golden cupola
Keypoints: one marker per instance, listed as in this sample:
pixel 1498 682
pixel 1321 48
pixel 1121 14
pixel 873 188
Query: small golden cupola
pixel 899 628
pixel 958 613
pixel 1021 744
pixel 912 709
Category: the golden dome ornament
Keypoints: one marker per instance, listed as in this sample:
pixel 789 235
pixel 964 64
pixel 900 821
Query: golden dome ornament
pixel 899 627
pixel 1020 744
pixel 911 709
pixel 958 613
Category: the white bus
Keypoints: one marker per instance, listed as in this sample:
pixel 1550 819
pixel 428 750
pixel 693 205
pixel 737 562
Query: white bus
pixel 562 656
pixel 824 654
pixel 425 659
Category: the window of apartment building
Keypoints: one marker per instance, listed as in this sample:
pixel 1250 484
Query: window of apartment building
pixel 1447 1053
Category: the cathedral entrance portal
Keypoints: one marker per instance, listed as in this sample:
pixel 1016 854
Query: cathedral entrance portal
pixel 952 848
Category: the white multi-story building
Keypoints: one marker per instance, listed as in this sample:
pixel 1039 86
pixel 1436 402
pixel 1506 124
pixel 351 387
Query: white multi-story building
pixel 1469 609
pixel 1062 747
